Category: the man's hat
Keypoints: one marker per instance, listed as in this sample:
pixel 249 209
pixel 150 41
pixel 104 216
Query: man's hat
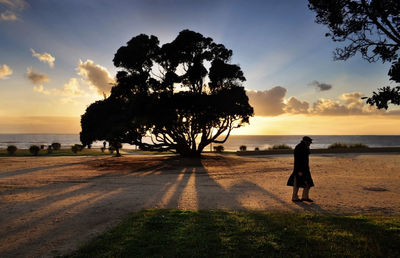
pixel 307 139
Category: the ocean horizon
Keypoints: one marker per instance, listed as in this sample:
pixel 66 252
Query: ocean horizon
pixel 24 141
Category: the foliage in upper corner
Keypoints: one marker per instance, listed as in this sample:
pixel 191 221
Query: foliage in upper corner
pixel 182 96
pixel 371 28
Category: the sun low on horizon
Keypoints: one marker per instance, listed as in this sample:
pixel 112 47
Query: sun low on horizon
pixel 56 58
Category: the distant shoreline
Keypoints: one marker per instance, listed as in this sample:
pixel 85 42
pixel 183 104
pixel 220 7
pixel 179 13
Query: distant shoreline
pixel 232 135
pixel 234 142
pixel 128 152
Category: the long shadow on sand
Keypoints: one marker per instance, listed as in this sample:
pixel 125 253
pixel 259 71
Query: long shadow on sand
pixel 30 170
pixel 71 211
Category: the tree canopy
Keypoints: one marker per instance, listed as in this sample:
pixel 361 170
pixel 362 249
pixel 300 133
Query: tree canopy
pixel 180 96
pixel 371 28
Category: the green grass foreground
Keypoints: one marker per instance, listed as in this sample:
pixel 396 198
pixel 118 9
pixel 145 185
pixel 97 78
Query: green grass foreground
pixel 182 233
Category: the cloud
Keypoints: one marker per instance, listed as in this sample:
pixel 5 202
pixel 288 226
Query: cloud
pixel 5 71
pixel 268 102
pixel 44 57
pixel 273 103
pixel 348 104
pixel 70 89
pixel 295 106
pixel 96 75
pixel 354 102
pixel 12 7
pixel 329 107
pixel 41 89
pixel 320 86
pixel 353 97
pixel 356 105
pixel 8 16
pixel 37 78
pixel 14 4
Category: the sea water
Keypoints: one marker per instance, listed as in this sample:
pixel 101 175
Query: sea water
pixel 23 141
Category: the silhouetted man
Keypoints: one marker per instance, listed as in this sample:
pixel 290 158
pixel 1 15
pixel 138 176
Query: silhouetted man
pixel 301 176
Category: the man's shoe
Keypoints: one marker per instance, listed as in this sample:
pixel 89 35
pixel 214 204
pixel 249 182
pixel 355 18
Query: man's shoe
pixel 306 200
pixel 297 200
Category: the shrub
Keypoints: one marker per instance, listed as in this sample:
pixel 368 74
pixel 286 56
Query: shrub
pixel 243 148
pixel 11 149
pixel 42 147
pixel 256 149
pixel 49 149
pixel 56 146
pixel 358 145
pixel 338 145
pixel 76 147
pixel 116 145
pixel 281 147
pixel 111 149
pixel 34 149
pixel 219 148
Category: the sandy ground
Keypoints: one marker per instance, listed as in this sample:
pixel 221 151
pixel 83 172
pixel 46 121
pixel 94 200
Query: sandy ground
pixel 51 205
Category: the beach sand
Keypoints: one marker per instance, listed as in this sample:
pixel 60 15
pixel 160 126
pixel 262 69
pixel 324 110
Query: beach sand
pixel 51 205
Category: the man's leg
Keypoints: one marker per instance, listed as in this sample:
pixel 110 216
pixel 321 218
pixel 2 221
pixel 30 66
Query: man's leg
pixel 295 190
pixel 304 196
pixel 306 191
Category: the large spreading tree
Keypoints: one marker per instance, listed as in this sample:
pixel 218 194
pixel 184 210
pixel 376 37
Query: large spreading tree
pixel 181 96
pixel 371 28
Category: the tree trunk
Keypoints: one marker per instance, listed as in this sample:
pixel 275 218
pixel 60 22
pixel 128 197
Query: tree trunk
pixel 190 153
pixel 118 154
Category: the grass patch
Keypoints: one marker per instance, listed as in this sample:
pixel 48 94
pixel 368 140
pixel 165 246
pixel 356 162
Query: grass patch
pixel 182 233
pixel 61 152
pixel 339 145
pixel 281 147
pixel 358 145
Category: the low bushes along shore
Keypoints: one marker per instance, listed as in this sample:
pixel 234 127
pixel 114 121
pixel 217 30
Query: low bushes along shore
pixel 60 152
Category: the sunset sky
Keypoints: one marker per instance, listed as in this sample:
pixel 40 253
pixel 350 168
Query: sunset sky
pixel 56 59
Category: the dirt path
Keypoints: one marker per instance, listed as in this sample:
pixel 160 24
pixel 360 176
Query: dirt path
pixel 50 205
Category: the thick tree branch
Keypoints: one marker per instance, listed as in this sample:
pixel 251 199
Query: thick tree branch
pixel 378 24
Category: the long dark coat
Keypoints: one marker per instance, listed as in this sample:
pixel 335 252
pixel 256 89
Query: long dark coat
pixel 301 160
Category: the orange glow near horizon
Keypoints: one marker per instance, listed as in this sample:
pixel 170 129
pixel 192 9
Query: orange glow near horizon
pixel 40 125
pixel 278 125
